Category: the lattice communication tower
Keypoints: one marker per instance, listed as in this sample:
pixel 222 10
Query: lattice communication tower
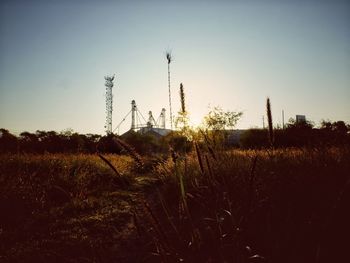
pixel 109 103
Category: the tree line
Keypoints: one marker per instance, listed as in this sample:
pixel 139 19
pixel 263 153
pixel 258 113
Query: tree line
pixel 72 142
pixel 48 141
pixel 299 134
pixel 294 134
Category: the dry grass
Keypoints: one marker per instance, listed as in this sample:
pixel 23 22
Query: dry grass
pixel 211 205
pixel 254 205
pixel 66 208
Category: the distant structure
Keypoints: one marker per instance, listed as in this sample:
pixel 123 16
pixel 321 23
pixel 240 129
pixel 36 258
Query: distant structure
pixel 139 124
pixel 300 118
pixel 133 115
pixel 161 119
pixel 109 103
pixel 169 59
pixel 151 121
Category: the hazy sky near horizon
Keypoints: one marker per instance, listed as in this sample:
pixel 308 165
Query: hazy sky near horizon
pixel 54 56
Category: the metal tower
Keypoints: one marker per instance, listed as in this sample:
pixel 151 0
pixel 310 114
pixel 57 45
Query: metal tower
pixel 138 122
pixel 109 103
pixel 162 119
pixel 133 114
pixel 151 121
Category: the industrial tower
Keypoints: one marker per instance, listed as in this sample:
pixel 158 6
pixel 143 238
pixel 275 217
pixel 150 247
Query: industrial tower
pixel 136 121
pixel 133 114
pixel 109 103
pixel 162 119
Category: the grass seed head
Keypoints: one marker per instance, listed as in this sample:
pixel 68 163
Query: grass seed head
pixel 182 97
pixel 269 119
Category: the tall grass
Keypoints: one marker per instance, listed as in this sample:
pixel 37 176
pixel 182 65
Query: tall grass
pixel 182 98
pixel 78 175
pixel 244 206
pixel 269 120
pixel 61 207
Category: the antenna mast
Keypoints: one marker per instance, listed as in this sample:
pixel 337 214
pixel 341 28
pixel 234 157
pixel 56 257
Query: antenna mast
pixel 109 103
pixel 169 59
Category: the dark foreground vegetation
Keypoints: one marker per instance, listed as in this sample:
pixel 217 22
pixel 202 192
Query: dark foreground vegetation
pixel 256 206
pixel 68 208
pixel 209 205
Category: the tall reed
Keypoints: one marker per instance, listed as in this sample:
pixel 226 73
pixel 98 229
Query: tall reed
pixel 182 98
pixel 269 120
pixel 182 118
pixel 130 150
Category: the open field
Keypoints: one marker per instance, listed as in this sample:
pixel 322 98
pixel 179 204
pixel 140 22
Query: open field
pixel 66 208
pixel 206 206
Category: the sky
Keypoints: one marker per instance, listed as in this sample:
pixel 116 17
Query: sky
pixel 233 54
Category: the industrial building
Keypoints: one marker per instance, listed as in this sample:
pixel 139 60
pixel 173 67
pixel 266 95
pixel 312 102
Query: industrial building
pixel 151 126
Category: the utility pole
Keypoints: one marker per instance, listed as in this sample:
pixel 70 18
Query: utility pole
pixel 283 119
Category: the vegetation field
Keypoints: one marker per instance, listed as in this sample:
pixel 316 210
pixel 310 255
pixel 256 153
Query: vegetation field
pixel 65 208
pixel 209 205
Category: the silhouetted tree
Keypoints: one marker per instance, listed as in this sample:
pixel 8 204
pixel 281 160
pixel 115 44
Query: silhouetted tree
pixel 142 143
pixel 298 134
pixel 8 142
pixel 218 119
pixel 334 133
pixel 29 142
pixel 91 142
pixel 106 144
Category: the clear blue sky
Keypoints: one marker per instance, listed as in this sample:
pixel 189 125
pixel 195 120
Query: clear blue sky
pixel 54 55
